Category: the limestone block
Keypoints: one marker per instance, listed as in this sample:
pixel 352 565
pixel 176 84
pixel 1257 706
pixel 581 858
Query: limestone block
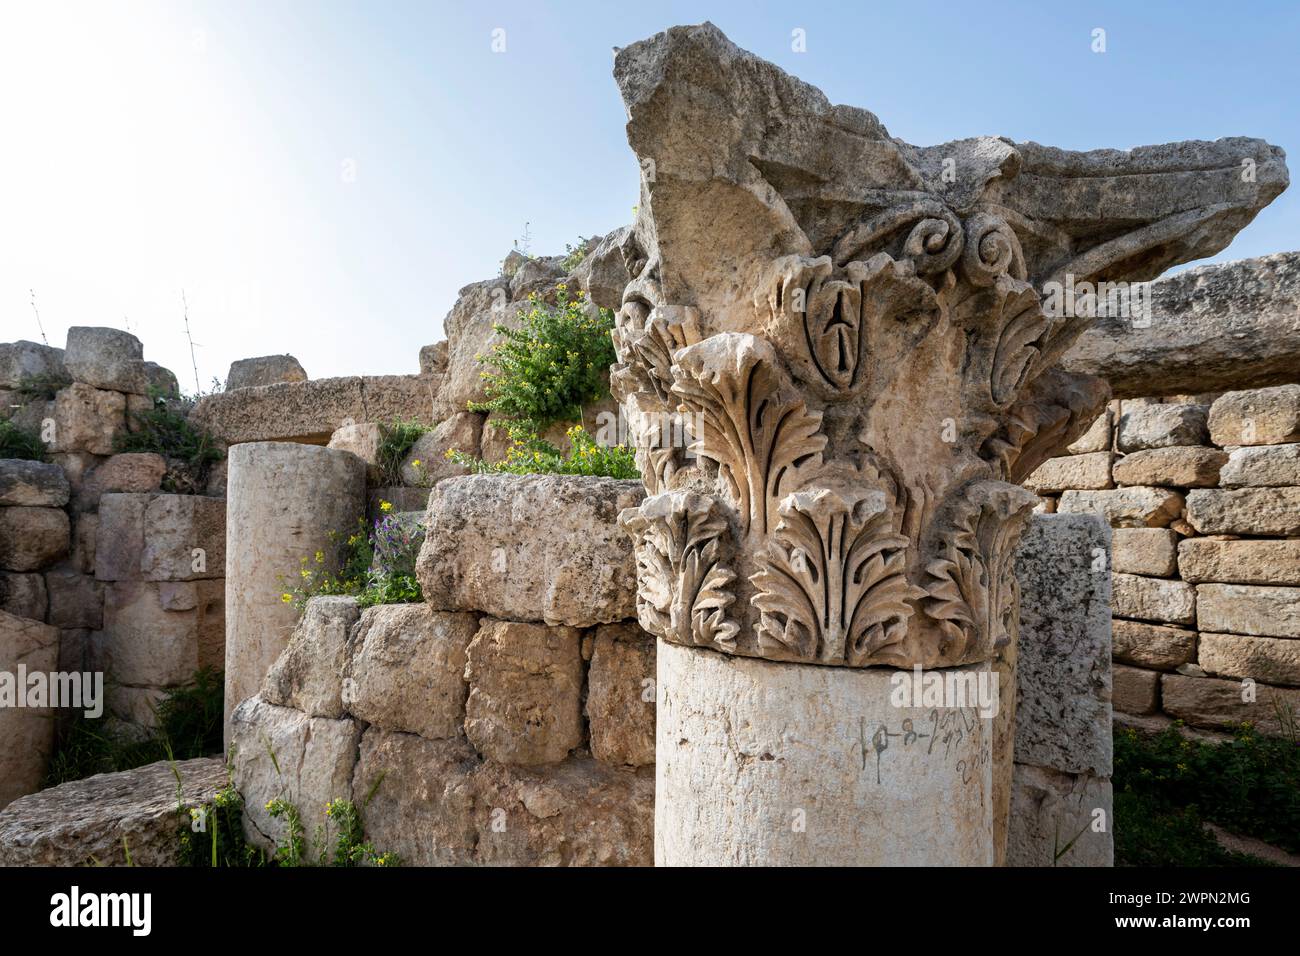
pixel 1160 426
pixel 77 468
pixel 400 398
pixel 470 332
pixel 1265 416
pixel 76 599
pixel 23 361
pixel 1239 562
pixel 525 692
pixel 1084 472
pixel 620 695
pixel 74 649
pixel 26 733
pixel 1153 599
pixel 106 358
pixel 1249 609
pixel 23 595
pixel 603 272
pixel 1262 466
pixel 1063 663
pixel 119 537
pixel 98 820
pixel 1180 466
pixel 460 432
pixel 1152 645
pixel 1149 551
pixel 1051 811
pixel 33 484
pixel 184 538
pixel 406 670
pixel 362 440
pixel 1136 507
pixel 131 472
pixel 131 713
pixel 33 538
pixel 87 419
pixel 531 548
pixel 1226 704
pixel 433 358
pixel 1258 511
pixel 282 753
pixel 282 504
pixel 1267 659
pixel 1096 438
pixel 265 370
pixel 145 645
pixel 1136 691
pixel 308 674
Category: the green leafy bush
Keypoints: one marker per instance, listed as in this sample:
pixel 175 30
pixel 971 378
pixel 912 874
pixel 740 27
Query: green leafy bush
pixel 376 565
pixel 552 365
pixel 164 429
pixel 534 455
pixel 19 442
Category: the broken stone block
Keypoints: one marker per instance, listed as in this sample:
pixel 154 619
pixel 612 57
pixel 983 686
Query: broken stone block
pixel 1262 466
pixel 1152 645
pixel 106 358
pixel 1227 704
pixel 525 692
pixel 1264 416
pixel 491 547
pixel 1249 609
pixel 1135 691
pixel 33 484
pixel 1247 561
pixel 184 538
pixel 364 441
pixel 407 669
pixel 119 537
pixel 87 419
pixel 22 362
pixel 1180 466
pixel 76 600
pixel 308 676
pixel 1084 472
pixel 265 370
pixel 1153 599
pixel 128 473
pixel 1160 426
pixel 23 595
pixel 1149 551
pixel 1267 659
pixel 1052 818
pixel 1096 438
pixel 1125 507
pixel 461 432
pixel 27 732
pixel 32 539
pixel 1256 511
pixel 621 696
pixel 433 358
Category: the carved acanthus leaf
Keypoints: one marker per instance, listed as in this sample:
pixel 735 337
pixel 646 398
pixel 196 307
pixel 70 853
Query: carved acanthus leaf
pixel 647 348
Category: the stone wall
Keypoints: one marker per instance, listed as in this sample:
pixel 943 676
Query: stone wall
pixel 1203 494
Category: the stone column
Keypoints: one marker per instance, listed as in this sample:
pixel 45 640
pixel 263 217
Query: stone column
pixel 859 339
pixel 282 502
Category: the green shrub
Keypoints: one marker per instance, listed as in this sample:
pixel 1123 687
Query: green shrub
pixel 552 365
pixel 376 565
pixel 395 443
pixel 164 429
pixel 533 455
pixel 19 442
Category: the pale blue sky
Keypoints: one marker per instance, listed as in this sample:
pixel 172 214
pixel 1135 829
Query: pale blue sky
pixel 211 146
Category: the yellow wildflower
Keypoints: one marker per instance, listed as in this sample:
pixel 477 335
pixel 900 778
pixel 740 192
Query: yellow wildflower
pixel 385 506
pixel 286 597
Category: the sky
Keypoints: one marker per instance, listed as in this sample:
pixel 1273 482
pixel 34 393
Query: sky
pixel 320 178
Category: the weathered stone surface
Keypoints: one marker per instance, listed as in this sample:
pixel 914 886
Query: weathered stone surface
pixel 470 332
pixel 1248 609
pixel 1262 466
pixel 1216 703
pixel 1153 599
pixel 184 538
pixel 401 498
pixel 106 358
pixel 265 370
pixel 1062 699
pixel 460 432
pixel 283 753
pixel 364 441
pixel 1136 507
pixel 32 538
pixel 133 473
pixel 32 483
pixel 406 669
pixel 119 537
pixel 433 358
pixel 1096 438
pixel 525 692
pixel 1049 810
pixel 1181 466
pixel 483 550
pixel 1149 551
pixel 26 733
pixel 145 645
pixel 98 820
pixel 23 595
pixel 1239 562
pixel 1084 472
pixel 1136 691
pixel 282 504
pixel 603 272
pixel 1215 327
pixel 620 696
pixel 22 362
pixel 1267 659
pixel 87 419
pixel 1152 645
pixel 1260 511
pixel 437 804
pixel 76 600
pixel 1160 426
pixel 1265 416
pixel 308 674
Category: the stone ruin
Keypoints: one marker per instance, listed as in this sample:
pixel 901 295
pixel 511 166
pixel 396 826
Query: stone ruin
pixel 866 345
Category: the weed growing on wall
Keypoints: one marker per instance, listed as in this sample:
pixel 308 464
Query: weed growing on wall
pixel 573 255
pixel 43 387
pixel 212 834
pixel 533 455
pixel 395 443
pixel 376 565
pixel 164 429
pixel 19 442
